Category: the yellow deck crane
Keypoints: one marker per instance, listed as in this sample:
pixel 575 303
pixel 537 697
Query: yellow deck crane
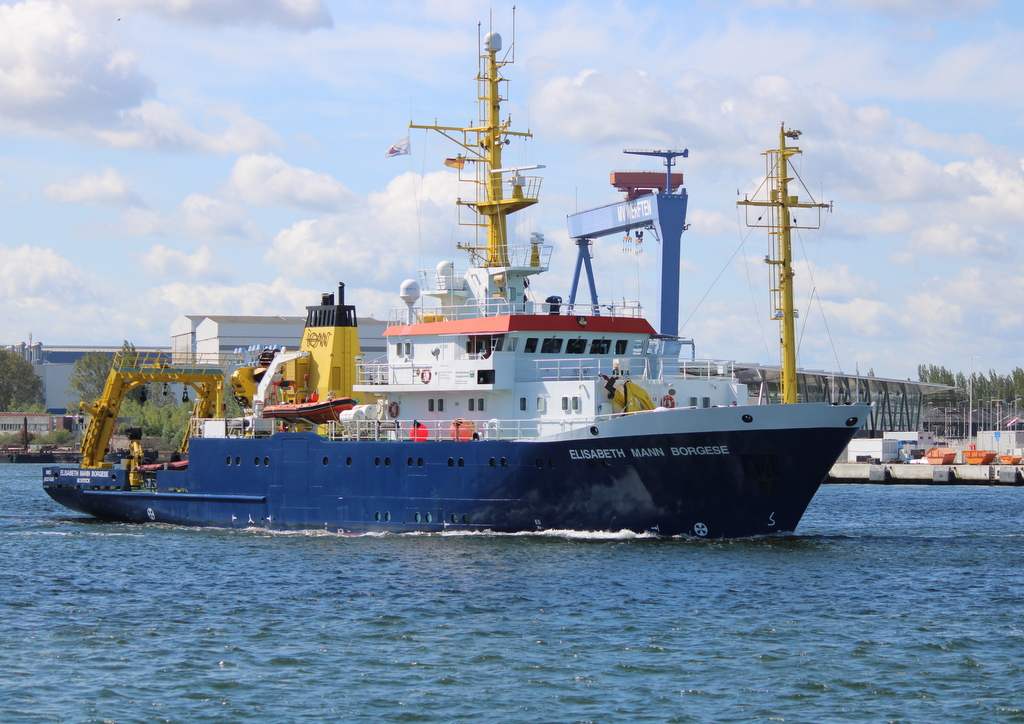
pixel 132 369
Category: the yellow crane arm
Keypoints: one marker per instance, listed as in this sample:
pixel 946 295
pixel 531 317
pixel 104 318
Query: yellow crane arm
pixel 132 369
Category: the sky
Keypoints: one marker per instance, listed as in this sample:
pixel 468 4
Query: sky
pixel 169 157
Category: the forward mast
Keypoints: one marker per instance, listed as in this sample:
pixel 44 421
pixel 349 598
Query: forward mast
pixel 780 221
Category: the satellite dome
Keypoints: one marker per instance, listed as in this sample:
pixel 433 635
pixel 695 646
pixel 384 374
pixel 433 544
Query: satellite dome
pixel 409 291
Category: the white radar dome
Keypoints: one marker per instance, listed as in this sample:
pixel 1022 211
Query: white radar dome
pixel 492 42
pixel 409 291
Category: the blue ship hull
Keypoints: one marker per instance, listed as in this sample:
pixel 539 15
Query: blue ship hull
pixel 722 483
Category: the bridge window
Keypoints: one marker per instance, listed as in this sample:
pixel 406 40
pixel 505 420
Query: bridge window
pixel 600 346
pixel 620 346
pixel 531 345
pixel 551 345
pixel 575 346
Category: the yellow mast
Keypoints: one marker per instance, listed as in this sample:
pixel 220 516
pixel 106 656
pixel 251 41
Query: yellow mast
pixel 482 145
pixel 779 224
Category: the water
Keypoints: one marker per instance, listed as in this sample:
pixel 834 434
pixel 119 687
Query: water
pixel 900 604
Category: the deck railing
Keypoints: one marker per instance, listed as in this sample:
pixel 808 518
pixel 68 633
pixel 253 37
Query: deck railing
pixel 462 429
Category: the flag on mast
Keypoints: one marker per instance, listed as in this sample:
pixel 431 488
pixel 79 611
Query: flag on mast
pixel 458 162
pixel 399 149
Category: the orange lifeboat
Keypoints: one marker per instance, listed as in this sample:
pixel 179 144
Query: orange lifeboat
pixel 314 412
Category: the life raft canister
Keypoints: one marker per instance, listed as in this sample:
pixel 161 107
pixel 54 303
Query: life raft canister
pixel 461 429
pixel 418 432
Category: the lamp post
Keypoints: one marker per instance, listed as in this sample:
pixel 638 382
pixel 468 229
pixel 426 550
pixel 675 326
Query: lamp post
pixel 970 403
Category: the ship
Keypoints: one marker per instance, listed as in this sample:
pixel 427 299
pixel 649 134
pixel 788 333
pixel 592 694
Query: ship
pixel 493 410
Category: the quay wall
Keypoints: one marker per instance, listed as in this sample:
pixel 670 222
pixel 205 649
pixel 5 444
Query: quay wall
pixel 901 474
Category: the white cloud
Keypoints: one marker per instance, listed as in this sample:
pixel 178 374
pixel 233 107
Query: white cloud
pixel 157 125
pixel 170 262
pixel 268 180
pixel 302 15
pixel 199 217
pixel 280 296
pixel 29 271
pixel 379 242
pixel 951 240
pixel 859 317
pixel 58 74
pixel 107 187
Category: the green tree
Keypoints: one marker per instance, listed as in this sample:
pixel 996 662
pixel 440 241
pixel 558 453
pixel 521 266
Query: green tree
pixel 20 386
pixel 88 376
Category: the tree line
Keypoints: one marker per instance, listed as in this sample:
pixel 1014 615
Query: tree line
pixel 987 386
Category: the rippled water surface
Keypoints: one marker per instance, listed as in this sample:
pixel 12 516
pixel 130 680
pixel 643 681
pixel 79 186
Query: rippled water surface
pixel 902 604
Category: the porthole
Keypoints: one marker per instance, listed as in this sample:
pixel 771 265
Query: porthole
pixel 376 461
pixel 256 461
pixel 387 516
pixel 419 462
pixel 409 462
pixel 494 462
pixel 539 462
pixel 594 430
pixel 465 519
pixel 462 463
pixel 238 460
pixel 430 518
pixel 606 463
pixel 592 463
pixel 266 462
pixel 348 461
pixel 455 518
pixel 551 463
pixel 852 421
pixel 325 461
pixel 451 462
pixel 228 461
pixel 376 516
pixel 504 463
pixel 747 418
pixel 416 517
pixel 387 462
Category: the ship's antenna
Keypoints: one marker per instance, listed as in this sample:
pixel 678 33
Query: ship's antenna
pixel 512 45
